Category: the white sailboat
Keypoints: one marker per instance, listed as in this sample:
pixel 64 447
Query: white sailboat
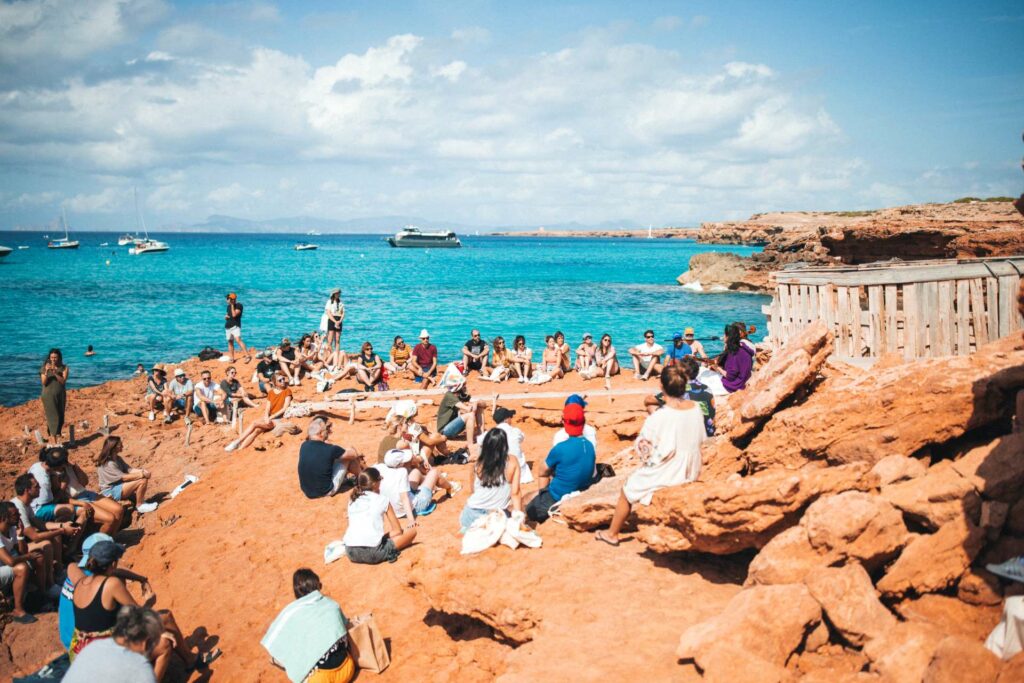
pixel 145 245
pixel 63 242
pixel 650 232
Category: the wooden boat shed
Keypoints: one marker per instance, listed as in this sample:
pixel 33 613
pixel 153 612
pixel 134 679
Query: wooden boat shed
pixel 919 309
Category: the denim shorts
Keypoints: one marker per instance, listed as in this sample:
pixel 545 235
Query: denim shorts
pixel 88 496
pixel 384 552
pixel 114 492
pixel 421 499
pixel 454 428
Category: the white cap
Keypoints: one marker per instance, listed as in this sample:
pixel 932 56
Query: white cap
pixel 397 457
pixel 179 372
pixel 424 333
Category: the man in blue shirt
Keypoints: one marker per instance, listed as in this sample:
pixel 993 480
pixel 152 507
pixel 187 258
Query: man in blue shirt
pixel 678 351
pixel 569 466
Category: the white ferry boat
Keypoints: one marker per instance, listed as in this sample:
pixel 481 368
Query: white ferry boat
pixel 412 236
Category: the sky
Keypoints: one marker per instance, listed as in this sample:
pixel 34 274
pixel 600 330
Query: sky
pixel 502 113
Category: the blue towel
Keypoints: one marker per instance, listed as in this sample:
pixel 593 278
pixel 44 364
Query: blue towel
pixel 303 633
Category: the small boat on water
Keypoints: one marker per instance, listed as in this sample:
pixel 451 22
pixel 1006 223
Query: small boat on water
pixel 127 240
pixel 306 246
pixel 63 242
pixel 144 245
pixel 412 237
pixel 313 233
pixel 4 251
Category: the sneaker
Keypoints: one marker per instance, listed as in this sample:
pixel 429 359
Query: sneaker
pixel 152 416
pixel 220 420
pixel 1012 569
pixel 147 507
pixel 231 446
pixel 522 380
pixel 168 419
pixel 456 487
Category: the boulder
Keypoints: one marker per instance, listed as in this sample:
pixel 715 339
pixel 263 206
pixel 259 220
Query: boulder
pixel 896 468
pixel 796 365
pixel 980 587
pixel 897 410
pixel 1015 518
pixel 719 271
pixel 593 508
pixel 933 562
pixel 769 622
pixel 952 616
pixel 725 517
pixel 787 558
pixel 1013 669
pixel 727 663
pixel 962 660
pixel 848 599
pixel 996 469
pixel 941 495
pixel 855 525
pixel 905 653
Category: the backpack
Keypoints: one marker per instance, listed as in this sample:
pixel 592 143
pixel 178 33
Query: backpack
pixel 209 353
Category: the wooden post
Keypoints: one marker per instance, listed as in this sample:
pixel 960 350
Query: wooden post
pixel 911 322
pixel 963 318
pixel 892 343
pixel 855 339
pixel 977 286
pixel 1007 304
pixel 992 307
pixel 877 342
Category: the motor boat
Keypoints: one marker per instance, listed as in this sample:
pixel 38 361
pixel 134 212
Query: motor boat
pixel 411 236
pixel 306 246
pixel 4 251
pixel 127 240
pixel 63 242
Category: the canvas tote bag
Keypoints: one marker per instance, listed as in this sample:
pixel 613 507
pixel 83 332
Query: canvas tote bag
pixel 367 645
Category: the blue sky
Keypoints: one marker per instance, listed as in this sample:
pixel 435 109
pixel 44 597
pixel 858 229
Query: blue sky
pixel 492 114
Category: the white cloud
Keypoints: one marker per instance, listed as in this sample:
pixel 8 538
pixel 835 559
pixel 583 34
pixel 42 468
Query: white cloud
pixel 777 128
pixel 233 193
pixel 108 200
pixel 451 70
pixel 471 34
pixel 668 23
pixel 30 199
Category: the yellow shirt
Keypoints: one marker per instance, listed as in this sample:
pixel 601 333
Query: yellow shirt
pixel 400 355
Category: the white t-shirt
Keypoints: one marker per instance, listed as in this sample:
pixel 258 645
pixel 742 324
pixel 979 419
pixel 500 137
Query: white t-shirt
pixel 515 438
pixel 207 392
pixel 366 521
pixel 589 433
pixel 649 352
pixel 42 475
pixel 28 515
pixel 393 485
pixel 105 660
pixel 10 543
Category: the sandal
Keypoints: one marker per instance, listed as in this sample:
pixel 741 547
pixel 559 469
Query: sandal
pixel 204 660
pixel 604 539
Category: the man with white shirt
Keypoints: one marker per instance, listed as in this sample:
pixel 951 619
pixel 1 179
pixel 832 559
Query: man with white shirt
pixel 208 395
pixel 647 357
pixel 589 432
pixel 503 420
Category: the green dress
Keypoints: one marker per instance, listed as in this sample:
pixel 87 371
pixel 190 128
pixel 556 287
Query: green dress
pixel 54 398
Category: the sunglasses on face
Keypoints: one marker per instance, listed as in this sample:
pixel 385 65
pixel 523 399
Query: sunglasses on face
pixel 282 379
pixel 648 336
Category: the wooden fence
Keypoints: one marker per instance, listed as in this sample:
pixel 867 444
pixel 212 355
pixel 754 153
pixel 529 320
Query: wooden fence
pixel 919 308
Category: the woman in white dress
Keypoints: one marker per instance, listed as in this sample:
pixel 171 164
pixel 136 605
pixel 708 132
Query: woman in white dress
pixel 669 445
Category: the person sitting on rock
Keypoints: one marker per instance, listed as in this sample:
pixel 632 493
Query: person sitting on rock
pixel 646 357
pixel 569 466
pixel 208 395
pixel 46 537
pixel 698 348
pixel 514 437
pixel 401 425
pixel 474 353
pixel 279 398
pixel 366 541
pixel 125 655
pixel 458 412
pixel 288 362
pixel 495 482
pixel 309 637
pixel 323 467
pixel 589 431
pixel 585 353
pixel 736 362
pixel 399 358
pixel 695 391
pixel 106 512
pixel 117 479
pixel 17 563
pixel 182 395
pixel 423 362
pixel 235 394
pixel 158 395
pixel 409 482
pixel 678 351
pixel 669 447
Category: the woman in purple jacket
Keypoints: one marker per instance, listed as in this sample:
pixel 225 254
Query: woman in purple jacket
pixel 737 360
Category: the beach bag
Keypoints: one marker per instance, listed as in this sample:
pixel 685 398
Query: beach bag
pixel 367 645
pixel 539 378
pixel 209 353
pixel 323 322
pixel 452 377
pixel 498 374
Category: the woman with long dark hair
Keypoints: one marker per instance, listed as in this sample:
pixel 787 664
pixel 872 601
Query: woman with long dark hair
pixel 54 378
pixel 495 483
pixel 366 541
pixel 117 479
pixel 334 312
pixel 736 362
pixel 604 357
pixel 522 359
pixel 501 360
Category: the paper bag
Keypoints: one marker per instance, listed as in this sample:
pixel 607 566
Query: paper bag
pixel 367 645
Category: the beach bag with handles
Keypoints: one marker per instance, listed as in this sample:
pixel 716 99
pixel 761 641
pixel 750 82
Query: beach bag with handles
pixel 367 644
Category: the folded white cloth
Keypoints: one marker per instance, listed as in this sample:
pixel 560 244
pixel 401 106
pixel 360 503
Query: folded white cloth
pixel 494 528
pixel 1007 638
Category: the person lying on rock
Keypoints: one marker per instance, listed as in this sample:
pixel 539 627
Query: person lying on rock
pixel 669 448
pixel 369 513
pixel 323 466
pixel 569 466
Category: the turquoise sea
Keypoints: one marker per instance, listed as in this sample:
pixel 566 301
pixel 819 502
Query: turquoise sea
pixel 166 307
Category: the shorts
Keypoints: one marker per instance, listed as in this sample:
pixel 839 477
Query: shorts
pixel 233 333
pixel 333 326
pixel 88 496
pixel 644 366
pixel 199 411
pixel 538 508
pixel 470 515
pixel 454 428
pixel 179 403
pixel 421 499
pixel 6 577
pixel 338 472
pixel 114 492
pixel 384 552
pixel 477 365
pixel 46 513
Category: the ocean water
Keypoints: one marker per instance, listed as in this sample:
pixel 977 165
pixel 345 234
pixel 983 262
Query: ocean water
pixel 166 307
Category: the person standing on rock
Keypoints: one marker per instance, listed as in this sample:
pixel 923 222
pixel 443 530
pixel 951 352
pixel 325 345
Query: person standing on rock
pixel 54 378
pixel 334 317
pixel 233 327
pixel 669 446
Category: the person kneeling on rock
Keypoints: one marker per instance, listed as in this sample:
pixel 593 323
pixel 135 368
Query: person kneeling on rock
pixel 669 446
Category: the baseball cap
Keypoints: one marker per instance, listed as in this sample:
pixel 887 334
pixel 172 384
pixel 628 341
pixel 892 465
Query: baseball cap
pixel 688 331
pixel 577 400
pixel 587 335
pixel 502 413
pixel 677 335
pixel 232 295
pixel 397 457
pixel 179 372
pixel 88 544
pixel 573 419
pixel 105 552
pixel 424 334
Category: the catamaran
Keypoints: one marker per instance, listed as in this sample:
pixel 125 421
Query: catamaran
pixel 144 245
pixel 412 236
pixel 63 242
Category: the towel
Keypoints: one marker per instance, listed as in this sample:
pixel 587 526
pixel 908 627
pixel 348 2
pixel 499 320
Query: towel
pixel 303 633
pixel 452 378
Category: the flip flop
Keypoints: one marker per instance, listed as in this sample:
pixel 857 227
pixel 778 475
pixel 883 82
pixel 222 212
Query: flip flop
pixel 25 619
pixel 601 537
pixel 204 660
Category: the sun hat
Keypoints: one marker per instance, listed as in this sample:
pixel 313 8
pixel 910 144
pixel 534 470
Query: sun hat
pixel 573 419
pixel 424 334
pixel 156 367
pixel 576 399
pixel 105 552
pixel 677 335
pixel 397 457
pixel 502 413
pixel 88 544
pixel 336 290
pixel 688 331
pixel 179 372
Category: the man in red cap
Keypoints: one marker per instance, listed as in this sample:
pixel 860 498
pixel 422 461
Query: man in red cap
pixel 569 466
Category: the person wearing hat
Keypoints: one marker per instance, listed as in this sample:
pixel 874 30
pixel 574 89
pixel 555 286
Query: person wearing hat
pixel 182 394
pixel 696 346
pixel 669 448
pixel 424 360
pixel 514 437
pixel 585 352
pixel 76 571
pixel 125 655
pixel 233 327
pixel 647 357
pixel 288 362
pixel 16 568
pixel 678 351
pixel 158 394
pixel 589 431
pixel 569 466
pixel 408 481
pixel 334 316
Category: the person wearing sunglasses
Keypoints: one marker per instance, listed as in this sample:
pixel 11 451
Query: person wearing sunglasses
pixel 279 397
pixel 647 357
